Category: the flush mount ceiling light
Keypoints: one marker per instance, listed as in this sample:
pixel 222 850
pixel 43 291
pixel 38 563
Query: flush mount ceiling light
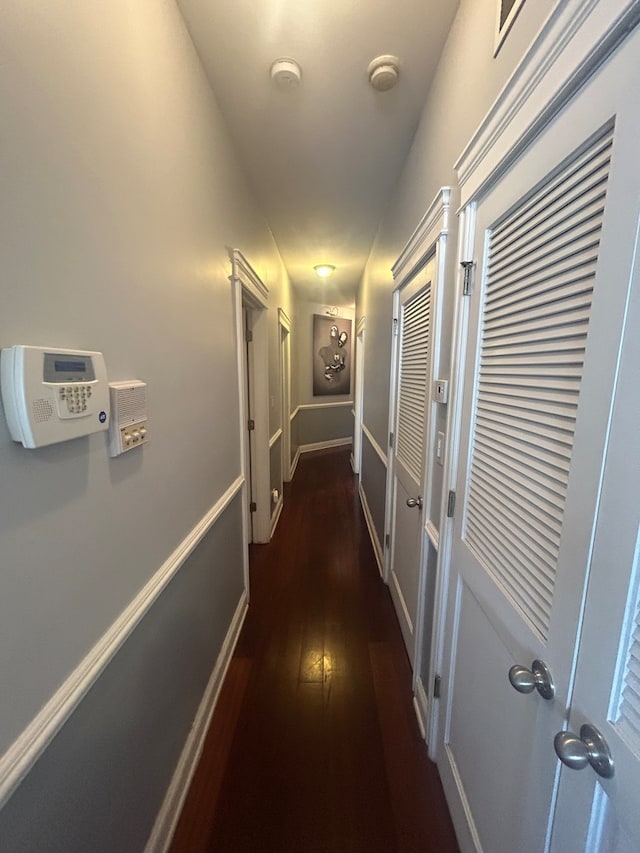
pixel 324 270
pixel 383 72
pixel 286 73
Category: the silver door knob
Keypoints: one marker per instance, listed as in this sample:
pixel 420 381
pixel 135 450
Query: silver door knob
pixel 537 678
pixel 411 502
pixel 590 748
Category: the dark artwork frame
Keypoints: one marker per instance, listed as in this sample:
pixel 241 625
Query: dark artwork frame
pixel 331 342
pixel 507 11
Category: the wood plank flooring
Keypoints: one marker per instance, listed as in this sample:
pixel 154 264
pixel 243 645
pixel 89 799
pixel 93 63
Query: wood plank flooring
pixel 314 746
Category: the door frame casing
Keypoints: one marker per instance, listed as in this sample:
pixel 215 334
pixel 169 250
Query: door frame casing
pixel 250 292
pixel 428 240
pixel 356 455
pixel 284 328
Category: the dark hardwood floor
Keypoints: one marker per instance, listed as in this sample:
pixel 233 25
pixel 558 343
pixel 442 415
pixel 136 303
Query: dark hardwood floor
pixel 314 746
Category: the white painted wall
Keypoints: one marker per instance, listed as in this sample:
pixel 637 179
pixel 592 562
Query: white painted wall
pixel 120 192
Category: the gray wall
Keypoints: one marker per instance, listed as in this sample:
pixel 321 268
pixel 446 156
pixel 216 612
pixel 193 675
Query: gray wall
pixel 275 459
pixel 101 782
pixel 120 192
pixel 326 424
pixel 373 480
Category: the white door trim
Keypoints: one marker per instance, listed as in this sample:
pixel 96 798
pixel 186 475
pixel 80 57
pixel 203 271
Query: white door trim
pixel 356 456
pixel 284 325
pixel 429 238
pixel 250 292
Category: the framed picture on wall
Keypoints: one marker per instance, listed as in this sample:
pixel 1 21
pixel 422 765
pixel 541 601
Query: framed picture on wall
pixel 331 355
pixel 506 14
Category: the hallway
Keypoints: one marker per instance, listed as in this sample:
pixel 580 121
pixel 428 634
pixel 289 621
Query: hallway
pixel 314 744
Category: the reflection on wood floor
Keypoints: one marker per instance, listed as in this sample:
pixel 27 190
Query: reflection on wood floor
pixel 314 745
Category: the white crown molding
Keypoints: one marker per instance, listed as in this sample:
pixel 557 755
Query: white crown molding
pixel 169 814
pixel 36 737
pixel 433 225
pixel 379 451
pixel 243 273
pixel 573 43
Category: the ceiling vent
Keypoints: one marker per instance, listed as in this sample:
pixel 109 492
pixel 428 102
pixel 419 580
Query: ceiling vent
pixel 286 73
pixel 383 72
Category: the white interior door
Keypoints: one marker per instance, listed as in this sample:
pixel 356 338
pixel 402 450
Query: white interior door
pixel 594 812
pixel 545 319
pixel 409 449
pixel 358 399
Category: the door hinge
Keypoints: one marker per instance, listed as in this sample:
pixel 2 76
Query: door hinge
pixel 387 541
pixel 248 335
pixel 467 266
pixel 451 504
pixel 251 424
pixel 437 681
pixel 253 506
pixel 391 440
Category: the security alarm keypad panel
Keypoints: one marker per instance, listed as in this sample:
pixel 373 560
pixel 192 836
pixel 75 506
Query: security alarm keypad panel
pixel 53 395
pixel 78 376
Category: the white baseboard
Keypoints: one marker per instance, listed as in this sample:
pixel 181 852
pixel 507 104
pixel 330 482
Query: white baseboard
pixel 23 753
pixel 323 445
pixel 294 464
pixel 421 707
pixel 275 518
pixel 169 814
pixel 377 547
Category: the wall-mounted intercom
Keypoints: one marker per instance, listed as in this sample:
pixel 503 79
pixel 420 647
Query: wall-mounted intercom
pixel 129 426
pixel 52 395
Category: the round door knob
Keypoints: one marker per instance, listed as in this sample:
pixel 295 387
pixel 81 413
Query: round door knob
pixel 537 678
pixel 590 748
pixel 411 502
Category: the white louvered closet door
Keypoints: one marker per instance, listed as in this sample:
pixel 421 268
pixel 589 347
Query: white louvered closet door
pixel 409 448
pixel 554 244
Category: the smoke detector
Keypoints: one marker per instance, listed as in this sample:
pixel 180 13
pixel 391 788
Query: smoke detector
pixel 383 72
pixel 286 73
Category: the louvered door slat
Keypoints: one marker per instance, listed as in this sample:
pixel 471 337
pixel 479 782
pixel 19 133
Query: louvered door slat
pixel 568 213
pixel 628 717
pixel 576 174
pixel 412 388
pixel 537 299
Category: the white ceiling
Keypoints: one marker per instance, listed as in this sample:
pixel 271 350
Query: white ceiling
pixel 323 158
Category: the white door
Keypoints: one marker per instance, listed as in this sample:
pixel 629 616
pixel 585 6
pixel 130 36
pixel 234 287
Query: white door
pixel 595 812
pixel 546 314
pixel 357 420
pixel 409 449
pixel 249 444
